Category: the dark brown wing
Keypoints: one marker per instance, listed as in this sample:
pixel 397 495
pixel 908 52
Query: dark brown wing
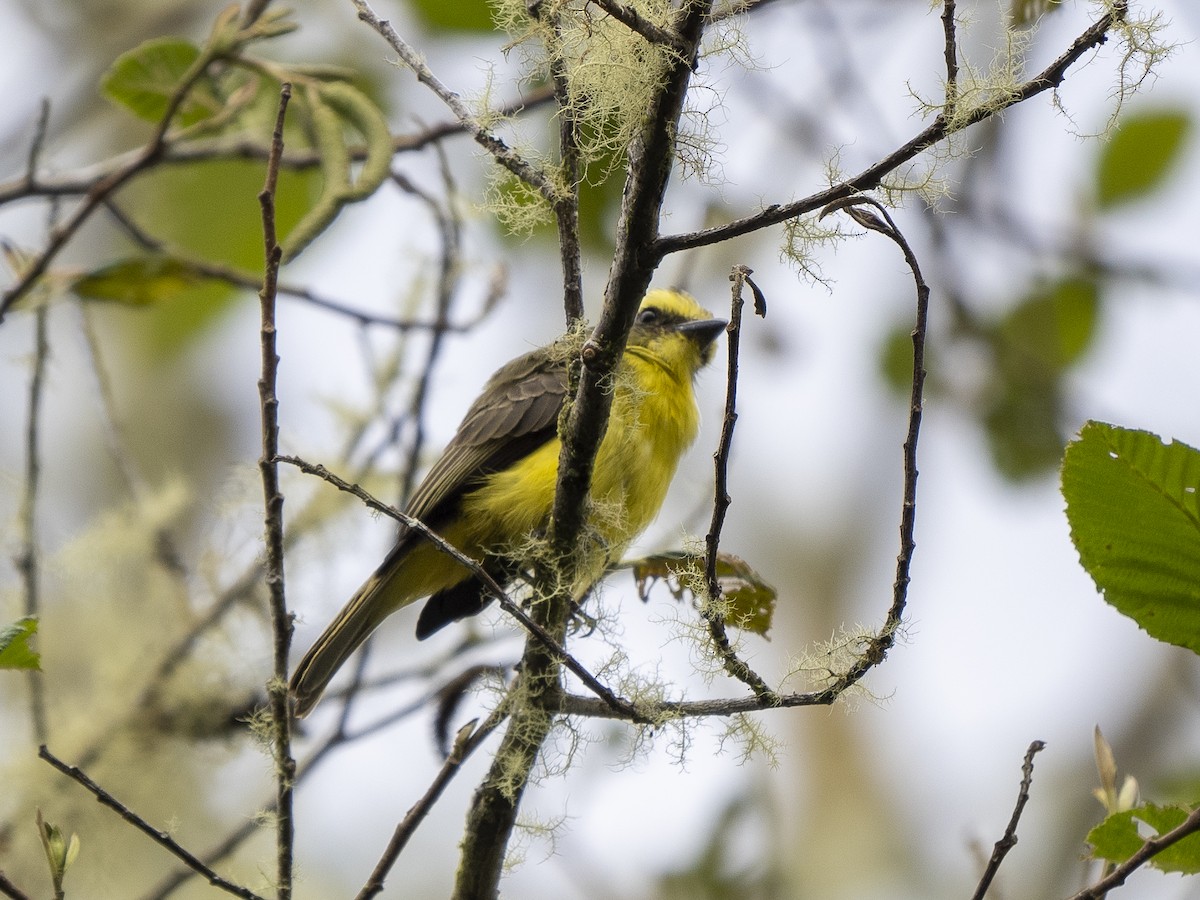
pixel 516 413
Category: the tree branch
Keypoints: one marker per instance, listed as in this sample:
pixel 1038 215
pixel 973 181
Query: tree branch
pixel 469 739
pixel 281 619
pixel 27 559
pixel 159 837
pixel 566 206
pixel 1145 853
pixel 1009 839
pixel 494 808
pixel 199 267
pixel 502 153
pixel 83 180
pixel 10 890
pixel 107 186
pixel 635 21
pixel 710 609
pixel 552 645
pixel 871 177
pixel 950 36
pixel 879 645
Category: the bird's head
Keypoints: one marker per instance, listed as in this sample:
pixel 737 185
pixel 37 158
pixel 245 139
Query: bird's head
pixel 675 331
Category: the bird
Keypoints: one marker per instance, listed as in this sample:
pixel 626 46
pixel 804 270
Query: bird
pixel 491 493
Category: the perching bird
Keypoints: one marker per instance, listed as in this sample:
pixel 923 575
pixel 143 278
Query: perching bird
pixel 492 491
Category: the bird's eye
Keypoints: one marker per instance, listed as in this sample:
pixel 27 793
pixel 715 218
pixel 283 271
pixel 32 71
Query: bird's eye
pixel 649 316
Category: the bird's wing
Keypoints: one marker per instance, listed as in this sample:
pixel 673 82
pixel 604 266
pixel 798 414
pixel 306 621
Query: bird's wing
pixel 516 413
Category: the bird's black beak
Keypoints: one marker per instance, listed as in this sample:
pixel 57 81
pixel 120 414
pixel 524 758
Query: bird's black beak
pixel 702 331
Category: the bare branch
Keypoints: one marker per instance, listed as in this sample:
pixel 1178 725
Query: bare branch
pixel 469 739
pixel 159 837
pixel 1009 839
pixel 494 808
pixel 949 29
pixel 107 186
pixel 83 180
pixel 734 665
pixel 268 466
pixel 622 707
pixel 566 207
pixel 871 177
pixel 27 560
pixel 502 153
pixel 10 890
pixel 202 268
pixel 877 648
pixel 39 140
pixel 1147 852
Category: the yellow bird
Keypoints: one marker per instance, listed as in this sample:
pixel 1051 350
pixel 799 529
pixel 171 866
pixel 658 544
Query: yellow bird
pixel 492 491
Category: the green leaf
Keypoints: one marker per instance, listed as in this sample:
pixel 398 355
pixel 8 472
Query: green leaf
pixel 749 602
pixel 61 851
pixel 1140 155
pixel 1134 511
pixel 144 79
pixel 332 106
pixel 461 15
pixel 1119 836
pixel 1032 346
pixel 142 281
pixel 1020 416
pixel 227 233
pixel 1025 12
pixel 1055 324
pixel 15 652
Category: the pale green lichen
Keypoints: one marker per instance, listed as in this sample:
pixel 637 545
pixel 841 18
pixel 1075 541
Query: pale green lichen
pixel 749 740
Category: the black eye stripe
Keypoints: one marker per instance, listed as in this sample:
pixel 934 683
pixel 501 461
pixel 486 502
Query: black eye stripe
pixel 656 318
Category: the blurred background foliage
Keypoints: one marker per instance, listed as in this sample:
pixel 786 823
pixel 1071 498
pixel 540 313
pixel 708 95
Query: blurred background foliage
pixel 147 514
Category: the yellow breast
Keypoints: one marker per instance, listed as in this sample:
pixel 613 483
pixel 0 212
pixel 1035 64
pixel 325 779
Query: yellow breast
pixel 653 421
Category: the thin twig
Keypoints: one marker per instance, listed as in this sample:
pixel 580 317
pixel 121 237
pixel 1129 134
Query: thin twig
pixel 105 187
pixel 159 837
pixel 469 738
pixel 199 267
pixel 1009 838
pixel 566 207
pixel 951 53
pixel 710 610
pixel 878 646
pixel 10 890
pixel 83 180
pixel 1048 79
pixel 500 151
pixel 1150 849
pixel 27 561
pixel 281 619
pixel 449 264
pixel 621 707
pixel 33 160
pixel 495 805
pixel 250 826
pixel 635 21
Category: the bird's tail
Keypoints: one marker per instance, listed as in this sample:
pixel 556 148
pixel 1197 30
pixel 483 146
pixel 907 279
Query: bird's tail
pixel 352 626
